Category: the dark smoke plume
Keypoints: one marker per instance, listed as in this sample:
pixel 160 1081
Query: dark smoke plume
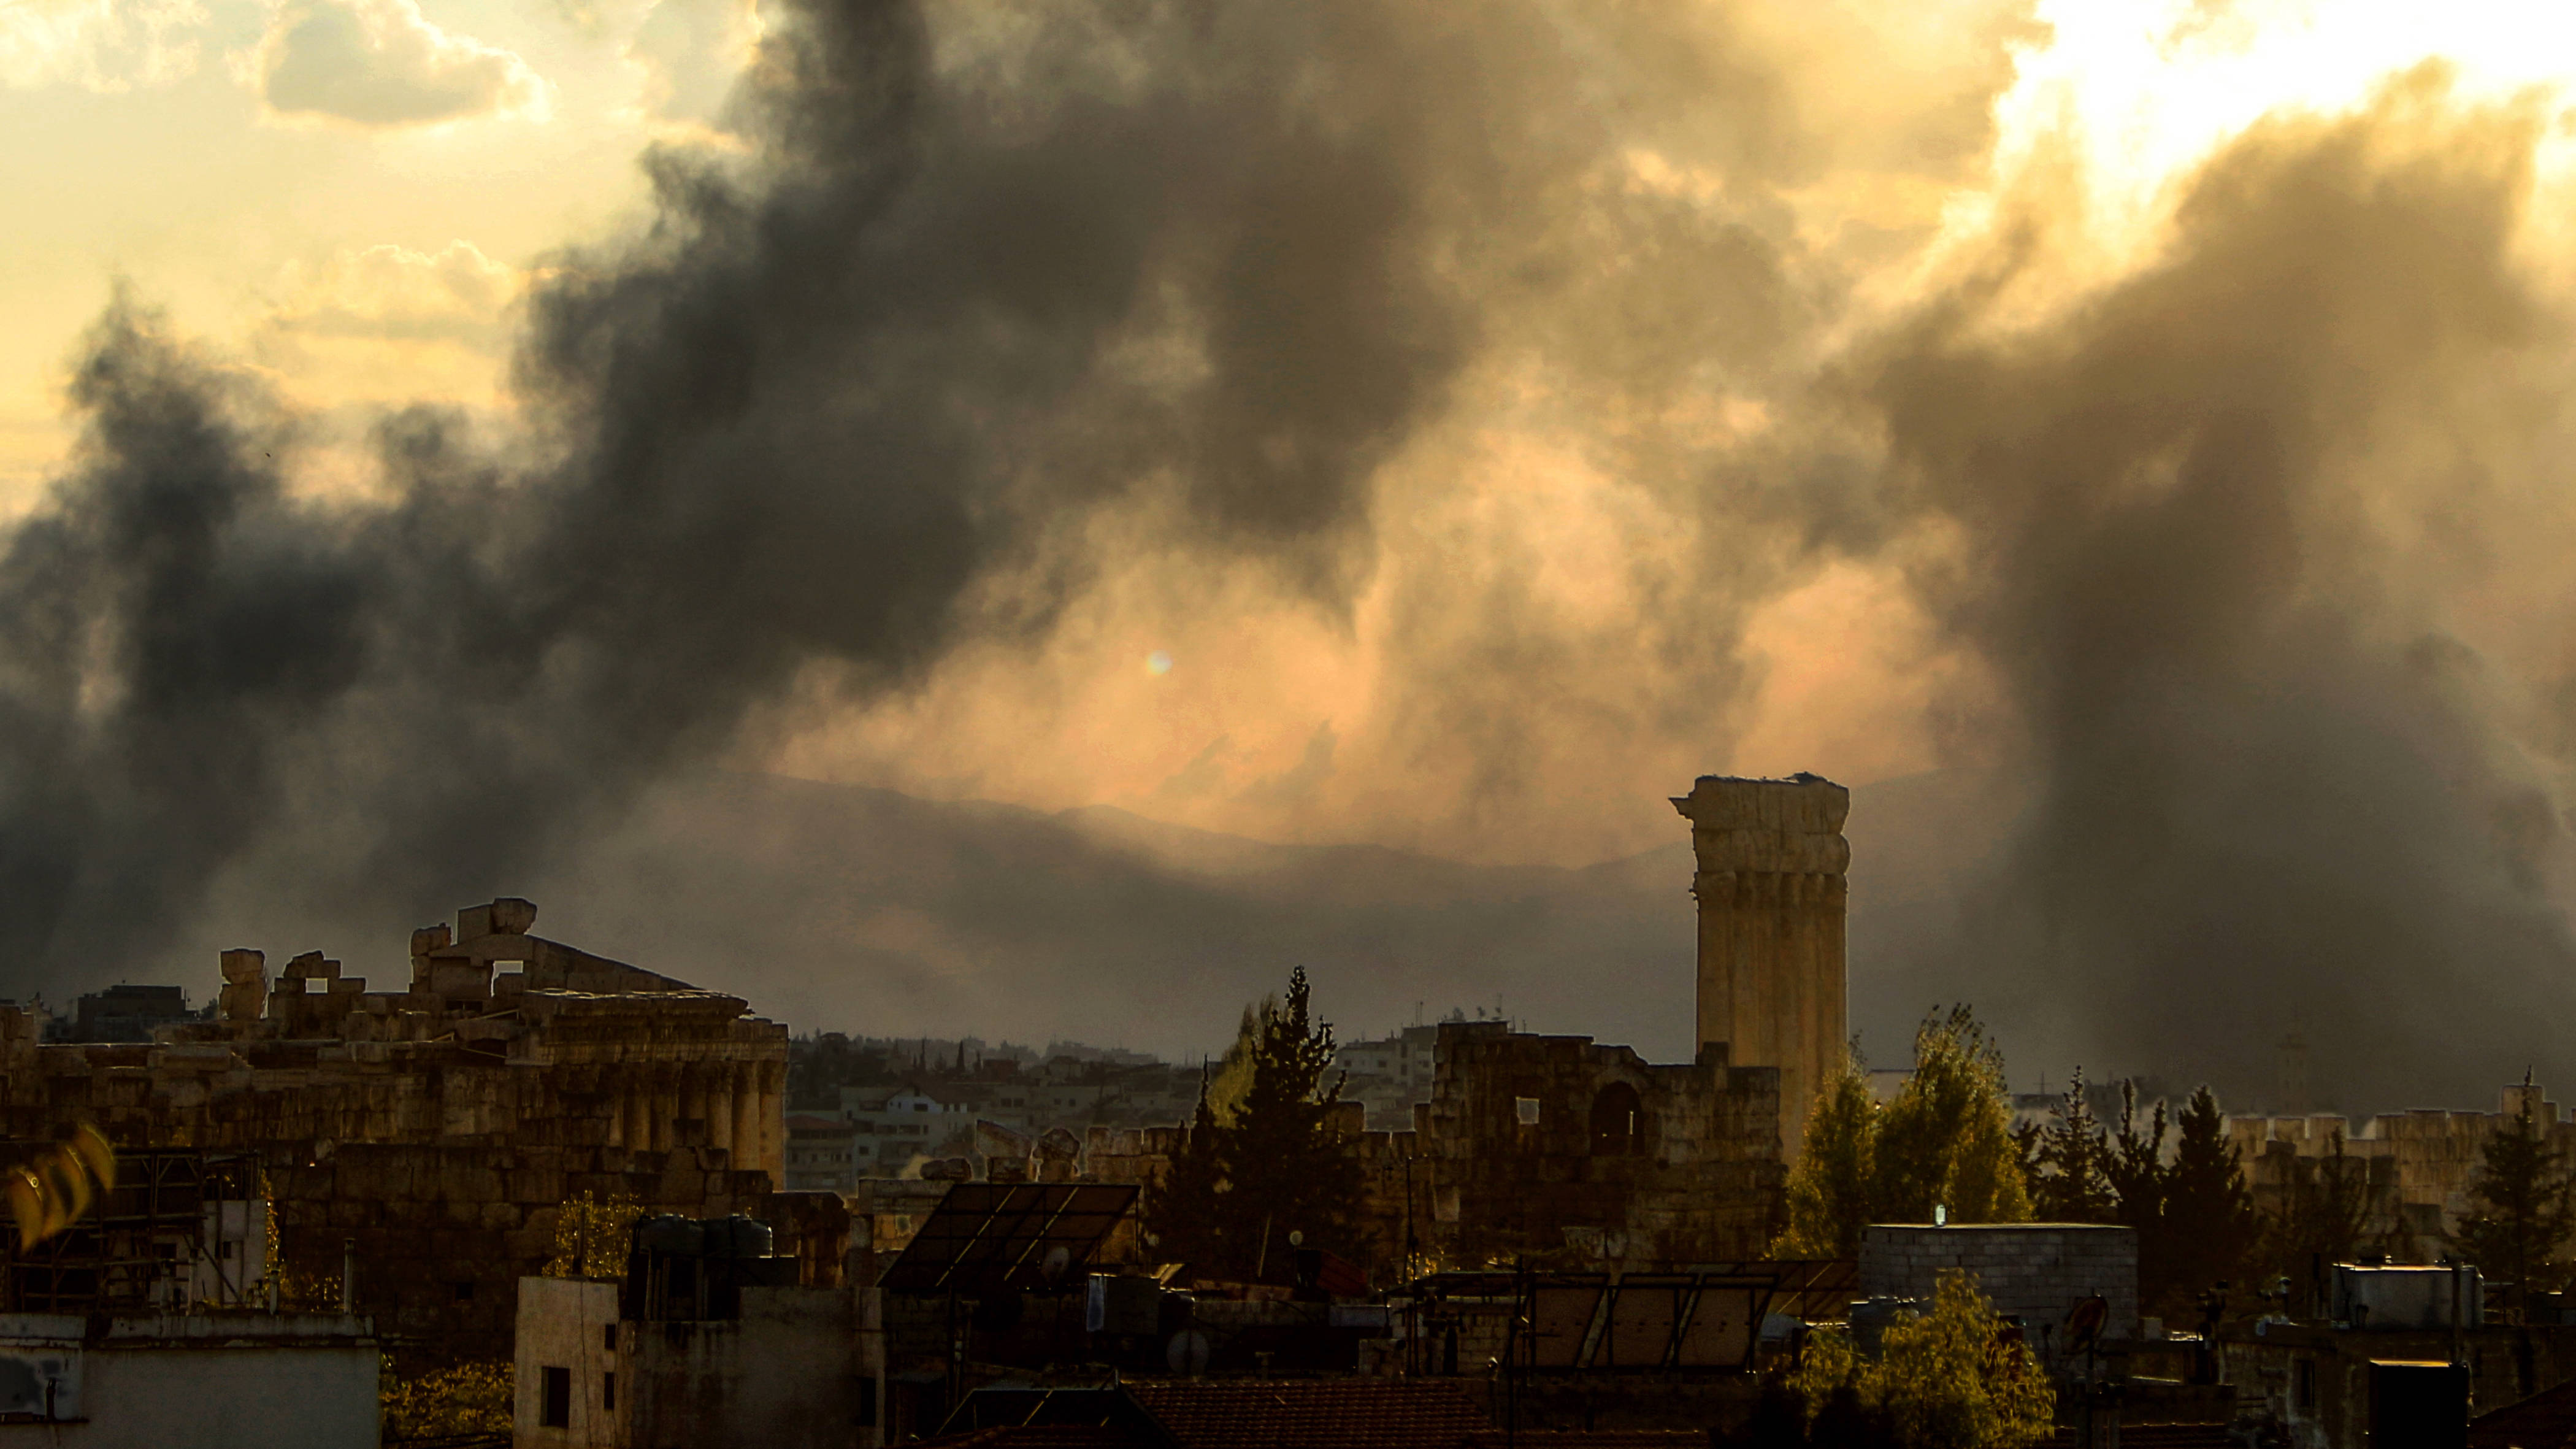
pixel 2204 519
pixel 1005 304
pixel 843 404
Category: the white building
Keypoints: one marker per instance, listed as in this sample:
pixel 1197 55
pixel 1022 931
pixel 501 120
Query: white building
pixel 209 1380
pixel 903 1124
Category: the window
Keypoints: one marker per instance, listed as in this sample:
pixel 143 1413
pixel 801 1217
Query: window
pixel 464 1290
pixel 2303 1385
pixel 1526 1108
pixel 608 1393
pixel 608 1337
pixel 554 1390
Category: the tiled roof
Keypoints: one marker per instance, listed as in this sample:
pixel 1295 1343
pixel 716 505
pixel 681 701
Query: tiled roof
pixel 1313 1413
pixel 2161 1436
pixel 1590 1440
pixel 1040 1436
pixel 2546 1420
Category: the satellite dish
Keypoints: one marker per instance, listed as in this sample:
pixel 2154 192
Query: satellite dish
pixel 1188 1352
pixel 1057 1259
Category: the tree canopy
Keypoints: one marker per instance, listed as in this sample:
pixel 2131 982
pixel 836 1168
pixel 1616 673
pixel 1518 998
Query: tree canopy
pixel 1950 1378
pixel 1944 1141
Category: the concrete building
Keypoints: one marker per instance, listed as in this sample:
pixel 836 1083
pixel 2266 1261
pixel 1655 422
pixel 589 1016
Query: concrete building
pixel 2034 1272
pixel 436 1130
pixel 823 1153
pixel 699 1349
pixel 220 1380
pixel 1770 884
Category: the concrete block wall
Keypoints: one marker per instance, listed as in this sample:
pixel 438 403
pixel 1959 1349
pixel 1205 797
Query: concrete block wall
pixel 2035 1272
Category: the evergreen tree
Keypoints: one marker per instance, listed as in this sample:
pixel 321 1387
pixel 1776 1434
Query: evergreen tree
pixel 2141 1183
pixel 1186 1212
pixel 2522 1205
pixel 2076 1188
pixel 1287 1162
pixel 1829 1190
pixel 1242 1182
pixel 1946 1140
pixel 2210 1224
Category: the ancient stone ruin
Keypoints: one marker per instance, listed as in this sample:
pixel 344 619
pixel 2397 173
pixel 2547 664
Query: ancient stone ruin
pixel 432 1133
pixel 1771 857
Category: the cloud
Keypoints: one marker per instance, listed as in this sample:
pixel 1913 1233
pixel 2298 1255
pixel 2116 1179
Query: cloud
pixel 380 326
pixel 383 63
pixel 690 52
pixel 105 45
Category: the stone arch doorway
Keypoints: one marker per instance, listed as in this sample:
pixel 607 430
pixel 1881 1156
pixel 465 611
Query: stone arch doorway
pixel 1617 1123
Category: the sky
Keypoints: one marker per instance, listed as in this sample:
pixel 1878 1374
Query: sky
pixel 426 426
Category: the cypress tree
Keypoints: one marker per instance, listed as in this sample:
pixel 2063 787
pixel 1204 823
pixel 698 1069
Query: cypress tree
pixel 2077 1185
pixel 2520 1208
pixel 2210 1224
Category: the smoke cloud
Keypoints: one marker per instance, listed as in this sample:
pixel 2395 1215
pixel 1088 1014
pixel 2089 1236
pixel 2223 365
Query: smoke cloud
pixel 1476 414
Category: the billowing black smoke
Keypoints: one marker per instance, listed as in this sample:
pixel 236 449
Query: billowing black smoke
pixel 1002 298
pixel 845 402
pixel 2213 523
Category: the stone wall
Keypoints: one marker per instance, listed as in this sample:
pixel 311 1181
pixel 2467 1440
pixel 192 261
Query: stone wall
pixel 2033 1271
pixel 1771 859
pixel 2419 1164
pixel 1559 1150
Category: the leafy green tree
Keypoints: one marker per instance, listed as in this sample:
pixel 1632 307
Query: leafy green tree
pixel 1947 1379
pixel 1238 1187
pixel 1829 1189
pixel 1946 1140
pixel 2076 1185
pixel 2522 1206
pixel 2209 1223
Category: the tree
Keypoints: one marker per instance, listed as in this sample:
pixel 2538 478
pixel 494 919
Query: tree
pixel 1947 1379
pixel 2209 1221
pixel 2324 1214
pixel 1183 1213
pixel 1829 1189
pixel 1287 1158
pixel 2076 1186
pixel 1946 1139
pixel 2522 1205
pixel 2139 1179
pixel 1238 1188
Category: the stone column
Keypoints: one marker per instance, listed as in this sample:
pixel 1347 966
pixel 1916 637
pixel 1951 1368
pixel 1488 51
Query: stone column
pixel 773 1123
pixel 720 1106
pixel 1770 884
pixel 746 1117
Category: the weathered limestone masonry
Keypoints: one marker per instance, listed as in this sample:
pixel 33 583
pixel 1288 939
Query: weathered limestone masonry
pixel 1553 1146
pixel 2033 1271
pixel 1771 892
pixel 1549 1149
pixel 436 1130
pixel 2419 1163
